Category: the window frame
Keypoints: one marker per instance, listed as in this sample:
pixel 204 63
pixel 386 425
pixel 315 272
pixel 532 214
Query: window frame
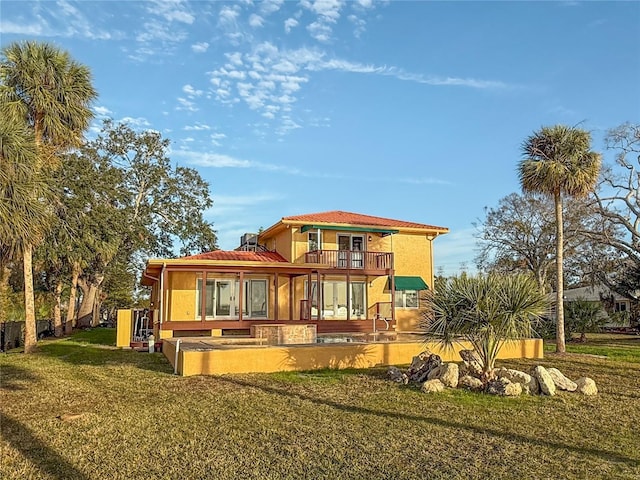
pixel 403 304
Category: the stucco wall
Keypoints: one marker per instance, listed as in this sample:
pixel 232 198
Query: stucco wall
pixel 181 297
pixel 259 359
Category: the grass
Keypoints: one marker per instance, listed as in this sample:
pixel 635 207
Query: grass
pixel 80 409
pixel 624 348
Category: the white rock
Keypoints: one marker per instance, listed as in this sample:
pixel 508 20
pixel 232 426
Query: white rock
pixel 449 374
pixel 561 381
pixel 586 386
pixel 529 383
pixel 432 386
pixel 544 380
pixel 469 382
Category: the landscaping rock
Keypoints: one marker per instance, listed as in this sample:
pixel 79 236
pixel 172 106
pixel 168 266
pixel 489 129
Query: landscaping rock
pixel 435 373
pixel 471 363
pixel 529 383
pixel 470 383
pixel 448 374
pixel 561 381
pixel 547 386
pixel 396 375
pixel 432 386
pixel 422 365
pixel 502 386
pixel 586 386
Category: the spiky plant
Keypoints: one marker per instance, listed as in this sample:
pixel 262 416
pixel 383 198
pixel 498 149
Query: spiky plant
pixel 487 311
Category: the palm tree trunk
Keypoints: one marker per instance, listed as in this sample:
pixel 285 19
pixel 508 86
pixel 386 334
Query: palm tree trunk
pixel 57 310
pixel 560 341
pixel 30 334
pixel 71 311
pixel 5 273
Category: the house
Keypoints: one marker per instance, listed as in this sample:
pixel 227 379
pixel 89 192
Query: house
pixel 611 303
pixel 339 271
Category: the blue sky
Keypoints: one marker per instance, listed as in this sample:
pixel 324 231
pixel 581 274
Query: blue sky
pixel 407 110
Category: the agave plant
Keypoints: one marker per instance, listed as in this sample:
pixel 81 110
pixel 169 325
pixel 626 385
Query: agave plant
pixel 487 311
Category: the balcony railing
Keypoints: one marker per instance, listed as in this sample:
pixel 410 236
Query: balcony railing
pixel 351 259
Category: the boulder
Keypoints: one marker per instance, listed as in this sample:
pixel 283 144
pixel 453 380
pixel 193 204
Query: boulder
pixel 586 386
pixel 544 380
pixel 502 386
pixel 432 386
pixel 470 383
pixel 396 375
pixel 529 383
pixel 435 373
pixel 561 381
pixel 472 365
pixel 448 374
pixel 422 365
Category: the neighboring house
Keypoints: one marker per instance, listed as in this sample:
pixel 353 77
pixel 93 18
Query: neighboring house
pixel 338 270
pixel 601 293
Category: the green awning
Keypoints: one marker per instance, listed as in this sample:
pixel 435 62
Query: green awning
pixel 383 231
pixel 409 283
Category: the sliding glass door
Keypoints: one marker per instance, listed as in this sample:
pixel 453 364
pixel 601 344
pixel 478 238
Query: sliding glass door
pixel 222 299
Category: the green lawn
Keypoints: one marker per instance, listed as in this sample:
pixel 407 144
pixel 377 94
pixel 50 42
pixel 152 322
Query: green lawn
pixel 80 409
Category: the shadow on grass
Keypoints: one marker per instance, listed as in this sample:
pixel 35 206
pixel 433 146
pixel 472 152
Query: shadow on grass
pixel 12 377
pixel 82 350
pixel 512 437
pixel 39 454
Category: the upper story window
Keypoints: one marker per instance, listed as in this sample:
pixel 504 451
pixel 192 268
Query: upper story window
pixel 315 241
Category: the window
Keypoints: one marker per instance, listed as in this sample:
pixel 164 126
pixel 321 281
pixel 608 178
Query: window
pixel 255 298
pixel 621 306
pixel 407 299
pixel 209 298
pixel 335 301
pixel 315 241
pixel 222 298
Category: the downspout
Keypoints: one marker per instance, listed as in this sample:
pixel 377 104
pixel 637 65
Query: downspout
pixel 431 239
pixel 161 314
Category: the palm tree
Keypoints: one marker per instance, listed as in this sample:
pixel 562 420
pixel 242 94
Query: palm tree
pixel 487 311
pixel 22 216
pixel 557 162
pixel 51 93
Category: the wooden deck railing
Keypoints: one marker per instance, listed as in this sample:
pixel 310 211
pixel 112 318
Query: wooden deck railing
pixel 351 259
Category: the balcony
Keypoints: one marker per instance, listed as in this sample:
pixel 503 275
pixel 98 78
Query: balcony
pixel 351 259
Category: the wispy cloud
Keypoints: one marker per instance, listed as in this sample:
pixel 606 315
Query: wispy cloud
pixel 102 111
pixel 268 79
pixel 198 127
pixel 136 122
pixel 200 47
pixel 216 160
pixel 56 19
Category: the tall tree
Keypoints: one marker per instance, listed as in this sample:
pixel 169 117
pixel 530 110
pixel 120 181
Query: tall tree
pixel 159 207
pixel 618 201
pixel 519 236
pixel 558 162
pixel 22 217
pixel 52 93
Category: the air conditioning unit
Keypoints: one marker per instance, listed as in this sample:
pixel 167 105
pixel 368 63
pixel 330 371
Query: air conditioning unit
pixel 249 239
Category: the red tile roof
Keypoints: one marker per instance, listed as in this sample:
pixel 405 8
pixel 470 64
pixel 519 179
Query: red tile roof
pixel 337 216
pixel 238 256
